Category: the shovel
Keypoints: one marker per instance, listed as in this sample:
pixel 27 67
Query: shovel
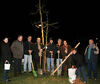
pixel 33 71
pixel 59 70
pixel 51 60
pixel 40 72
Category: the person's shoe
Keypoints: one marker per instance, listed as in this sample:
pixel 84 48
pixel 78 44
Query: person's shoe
pixel 95 79
pixel 24 72
pixel 7 80
pixel 30 72
pixel 85 82
pixel 90 78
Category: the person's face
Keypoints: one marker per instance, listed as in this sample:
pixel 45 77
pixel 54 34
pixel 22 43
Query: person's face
pixel 6 40
pixel 65 43
pixel 20 38
pixel 51 41
pixel 38 40
pixel 29 38
pixel 59 41
pixel 91 42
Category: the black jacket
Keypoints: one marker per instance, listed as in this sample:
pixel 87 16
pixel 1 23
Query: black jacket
pixel 51 47
pixel 5 52
pixel 28 46
pixel 60 54
pixel 36 51
pixel 77 60
pixel 93 55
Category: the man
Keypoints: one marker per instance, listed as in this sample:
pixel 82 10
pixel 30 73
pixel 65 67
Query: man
pixel 37 52
pixel 18 52
pixel 28 48
pixel 78 61
pixel 51 51
pixel 91 55
pixel 59 59
pixel 6 56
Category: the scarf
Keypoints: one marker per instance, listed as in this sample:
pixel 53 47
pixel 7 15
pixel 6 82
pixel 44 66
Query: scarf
pixel 89 51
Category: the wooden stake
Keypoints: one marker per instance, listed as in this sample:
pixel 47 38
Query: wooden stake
pixel 64 60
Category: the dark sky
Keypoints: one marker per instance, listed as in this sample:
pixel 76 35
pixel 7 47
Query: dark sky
pixel 76 20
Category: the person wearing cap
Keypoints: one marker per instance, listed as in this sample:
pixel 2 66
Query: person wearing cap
pixel 91 56
pixel 6 56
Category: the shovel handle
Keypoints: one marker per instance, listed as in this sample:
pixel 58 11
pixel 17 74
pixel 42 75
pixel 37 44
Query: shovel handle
pixel 64 60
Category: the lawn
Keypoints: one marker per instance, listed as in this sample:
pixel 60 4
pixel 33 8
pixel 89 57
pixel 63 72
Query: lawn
pixel 28 78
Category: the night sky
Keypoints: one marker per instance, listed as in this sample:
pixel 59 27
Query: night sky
pixel 76 20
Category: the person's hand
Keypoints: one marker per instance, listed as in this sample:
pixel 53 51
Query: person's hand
pixel 65 51
pixel 6 61
pixel 94 46
pixel 30 51
pixel 41 50
pixel 73 66
pixel 51 52
pixel 58 51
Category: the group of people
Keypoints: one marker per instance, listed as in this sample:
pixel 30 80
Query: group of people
pixel 58 52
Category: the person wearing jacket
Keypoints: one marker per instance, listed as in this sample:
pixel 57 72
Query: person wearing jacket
pixel 91 56
pixel 18 52
pixel 65 50
pixel 37 52
pixel 51 51
pixel 28 48
pixel 59 59
pixel 6 56
pixel 78 62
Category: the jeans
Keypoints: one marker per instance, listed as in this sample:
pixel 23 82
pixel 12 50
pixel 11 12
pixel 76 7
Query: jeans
pixel 50 64
pixel 59 62
pixel 91 66
pixel 27 59
pixel 5 74
pixel 81 70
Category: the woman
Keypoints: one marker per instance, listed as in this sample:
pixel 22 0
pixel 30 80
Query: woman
pixel 6 56
pixel 65 50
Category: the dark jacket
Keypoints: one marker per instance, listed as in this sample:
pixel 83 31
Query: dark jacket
pixel 17 49
pixel 77 60
pixel 63 51
pixel 51 47
pixel 36 51
pixel 68 61
pixel 5 52
pixel 93 55
pixel 60 54
pixel 28 46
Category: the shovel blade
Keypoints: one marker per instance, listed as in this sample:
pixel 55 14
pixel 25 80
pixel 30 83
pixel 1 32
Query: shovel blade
pixel 34 73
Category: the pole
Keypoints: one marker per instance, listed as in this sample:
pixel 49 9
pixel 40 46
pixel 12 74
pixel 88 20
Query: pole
pixel 64 60
pixel 42 31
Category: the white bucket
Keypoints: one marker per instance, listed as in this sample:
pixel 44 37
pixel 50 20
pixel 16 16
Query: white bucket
pixel 72 75
pixel 6 66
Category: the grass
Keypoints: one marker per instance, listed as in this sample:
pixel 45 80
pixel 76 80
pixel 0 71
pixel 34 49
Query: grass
pixel 28 78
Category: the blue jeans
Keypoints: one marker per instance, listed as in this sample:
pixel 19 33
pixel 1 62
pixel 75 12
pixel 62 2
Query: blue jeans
pixel 91 66
pixel 49 64
pixel 81 70
pixel 59 62
pixel 5 74
pixel 27 60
